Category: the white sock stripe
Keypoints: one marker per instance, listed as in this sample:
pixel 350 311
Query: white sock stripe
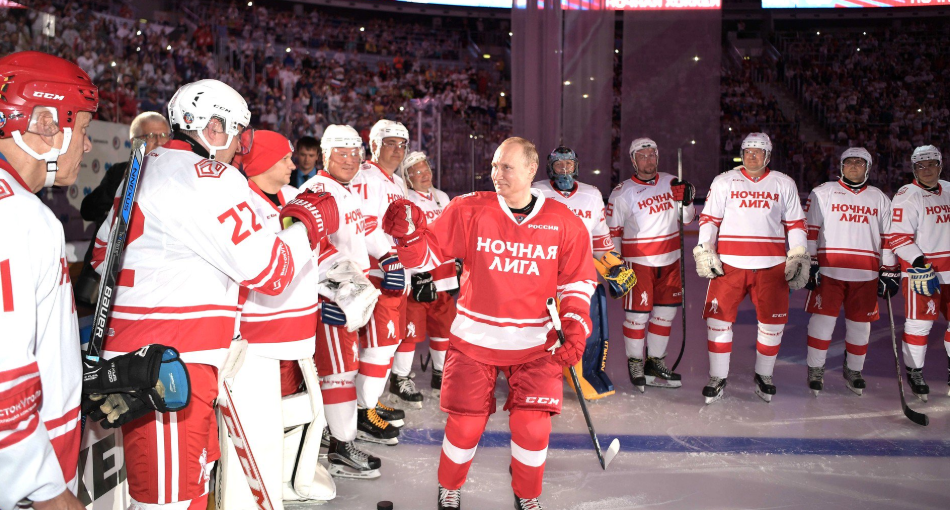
pixel 160 450
pixel 456 454
pixel 173 428
pixel 664 313
pixel 329 341
pixel 770 334
pixel 338 350
pixel 857 333
pixel 821 326
pixel 530 458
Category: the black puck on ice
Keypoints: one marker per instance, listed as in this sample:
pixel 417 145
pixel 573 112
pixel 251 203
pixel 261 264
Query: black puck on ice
pixel 384 505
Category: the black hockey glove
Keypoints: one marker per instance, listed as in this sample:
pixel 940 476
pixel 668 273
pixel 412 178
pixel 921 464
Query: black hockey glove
pixel 113 411
pixel 888 282
pixel 423 288
pixel 814 277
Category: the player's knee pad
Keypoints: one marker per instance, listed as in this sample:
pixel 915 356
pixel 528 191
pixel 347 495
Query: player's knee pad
pixel 464 431
pixel 857 333
pixel 663 315
pixel 718 331
pixel 769 337
pixel 917 327
pixel 530 429
pixel 821 326
pixel 636 320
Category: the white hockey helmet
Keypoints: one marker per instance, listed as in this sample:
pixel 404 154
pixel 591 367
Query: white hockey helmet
pixel 385 129
pixel 410 161
pixel 758 141
pixel 926 153
pixel 857 152
pixel 643 143
pixel 195 104
pixel 340 136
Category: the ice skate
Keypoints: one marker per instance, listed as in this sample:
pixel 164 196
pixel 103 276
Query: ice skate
pixel 764 387
pixel 402 390
pixel 373 429
pixel 436 382
pixel 324 444
pixel 854 379
pixel 635 366
pixel 816 376
pixel 527 504
pixel 715 389
pixel 657 374
pixel 348 461
pixel 918 385
pixel 449 499
pixel 395 417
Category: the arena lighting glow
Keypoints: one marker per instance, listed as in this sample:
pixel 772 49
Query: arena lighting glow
pixel 584 5
pixel 835 4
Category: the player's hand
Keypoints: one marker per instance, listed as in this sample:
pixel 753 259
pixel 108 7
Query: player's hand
pixel 797 267
pixel 331 314
pixel 683 191
pixel 576 331
pixel 114 410
pixel 888 282
pixel 317 211
pixel 708 264
pixel 620 278
pixel 814 276
pixel 394 276
pixel 404 221
pixel 922 279
pixel 423 288
pixel 64 501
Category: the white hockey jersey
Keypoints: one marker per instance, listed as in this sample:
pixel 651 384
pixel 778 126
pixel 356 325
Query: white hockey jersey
pixel 920 225
pixel 587 203
pixel 750 218
pixel 349 242
pixel 376 190
pixel 281 326
pixel 194 239
pixel 432 203
pixel 643 219
pixel 846 230
pixel 41 367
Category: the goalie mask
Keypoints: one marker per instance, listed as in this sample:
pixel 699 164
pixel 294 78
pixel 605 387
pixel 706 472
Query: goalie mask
pixel 856 152
pixel 563 181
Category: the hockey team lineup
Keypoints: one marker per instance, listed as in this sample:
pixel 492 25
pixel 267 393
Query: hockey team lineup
pixel 256 343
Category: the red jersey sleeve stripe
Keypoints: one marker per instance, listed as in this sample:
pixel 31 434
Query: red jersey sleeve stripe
pixel 277 275
pixel 16 373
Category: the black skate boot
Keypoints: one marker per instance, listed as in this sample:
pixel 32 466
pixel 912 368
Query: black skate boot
pixel 402 390
pixel 373 429
pixel 449 499
pixel 527 504
pixel 764 387
pixel 657 374
pixel 395 417
pixel 853 378
pixel 918 385
pixel 635 366
pixel 436 381
pixel 715 389
pixel 348 461
pixel 816 377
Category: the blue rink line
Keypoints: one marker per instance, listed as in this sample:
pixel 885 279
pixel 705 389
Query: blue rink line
pixel 713 444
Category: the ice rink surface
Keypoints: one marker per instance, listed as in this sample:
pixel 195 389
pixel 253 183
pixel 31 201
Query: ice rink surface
pixel 838 450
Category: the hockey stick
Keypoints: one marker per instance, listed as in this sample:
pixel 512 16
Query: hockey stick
pixel 110 269
pixel 248 463
pixel 679 172
pixel 914 416
pixel 614 447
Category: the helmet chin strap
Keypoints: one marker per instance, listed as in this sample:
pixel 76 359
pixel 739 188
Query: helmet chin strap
pixel 213 149
pixel 51 157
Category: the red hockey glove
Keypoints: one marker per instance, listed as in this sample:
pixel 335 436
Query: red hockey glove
pixel 404 221
pixel 683 191
pixel 317 211
pixel 576 329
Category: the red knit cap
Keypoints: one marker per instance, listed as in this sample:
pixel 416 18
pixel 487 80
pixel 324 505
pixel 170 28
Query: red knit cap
pixel 267 148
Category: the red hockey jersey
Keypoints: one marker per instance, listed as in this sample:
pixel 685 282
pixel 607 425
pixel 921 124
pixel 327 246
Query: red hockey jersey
pixel 432 204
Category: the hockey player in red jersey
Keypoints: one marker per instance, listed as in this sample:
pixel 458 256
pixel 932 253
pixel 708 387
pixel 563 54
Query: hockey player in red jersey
pixel 430 309
pixel 193 241
pixel 643 220
pixel 920 237
pixel 515 238
pixel 587 203
pixel 45 108
pixel 851 264
pixel 378 186
pixel 750 211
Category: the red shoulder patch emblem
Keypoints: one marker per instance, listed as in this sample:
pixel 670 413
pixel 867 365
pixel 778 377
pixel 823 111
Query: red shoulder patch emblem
pixel 5 190
pixel 209 168
pixel 316 188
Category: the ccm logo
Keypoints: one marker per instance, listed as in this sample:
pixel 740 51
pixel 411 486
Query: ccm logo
pixel 47 95
pixel 541 400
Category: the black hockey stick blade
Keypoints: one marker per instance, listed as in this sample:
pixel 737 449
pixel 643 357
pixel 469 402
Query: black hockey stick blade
pixel 914 416
pixel 114 250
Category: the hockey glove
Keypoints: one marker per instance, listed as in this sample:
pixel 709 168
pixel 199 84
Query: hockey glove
pixel 708 264
pixel 576 330
pixel 922 279
pixel 404 221
pixel 423 288
pixel 331 314
pixel 113 411
pixel 347 287
pixel 814 276
pixel 683 191
pixel 394 276
pixel 619 277
pixel 888 282
pixel 317 211
pixel 797 266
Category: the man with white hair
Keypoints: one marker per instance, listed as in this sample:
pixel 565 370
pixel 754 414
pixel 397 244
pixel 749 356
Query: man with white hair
pixel 848 221
pixel 920 236
pixel 750 212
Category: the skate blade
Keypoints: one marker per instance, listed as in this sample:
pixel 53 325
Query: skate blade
pixel 764 396
pixel 367 438
pixel 856 391
pixel 923 397
pixel 643 389
pixel 659 382
pixel 398 401
pixel 348 472
pixel 717 398
pixel 816 392
pixel 398 423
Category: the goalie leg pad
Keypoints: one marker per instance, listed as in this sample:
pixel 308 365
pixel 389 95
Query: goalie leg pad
pixel 308 479
pixel 594 358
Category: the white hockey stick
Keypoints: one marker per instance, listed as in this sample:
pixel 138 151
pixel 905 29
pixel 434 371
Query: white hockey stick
pixel 233 423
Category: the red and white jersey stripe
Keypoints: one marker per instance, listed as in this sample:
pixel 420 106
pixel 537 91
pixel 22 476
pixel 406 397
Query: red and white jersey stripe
pixel 40 368
pixel 432 204
pixel 920 226
pixel 587 203
pixel 644 220
pixel 749 218
pixel 846 231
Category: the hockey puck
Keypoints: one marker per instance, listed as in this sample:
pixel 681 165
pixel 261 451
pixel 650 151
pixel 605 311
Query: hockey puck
pixel 384 505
